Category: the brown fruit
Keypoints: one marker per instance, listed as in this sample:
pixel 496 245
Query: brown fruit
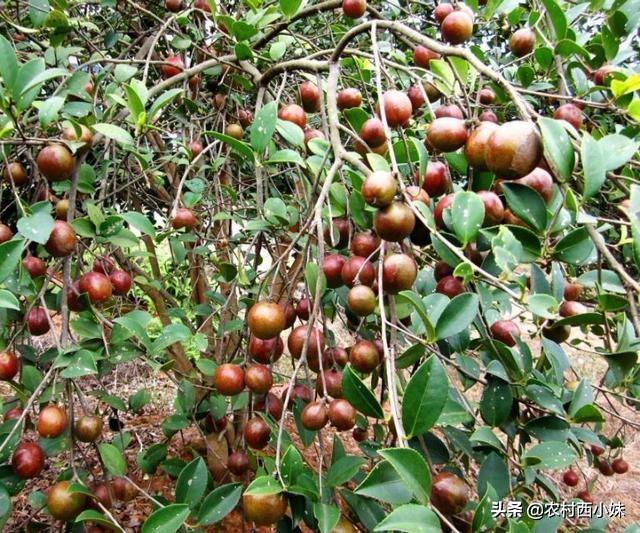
pixel 337 233
pixel 101 494
pixel 172 67
pixel 310 134
pixel 173 5
pixel 372 133
pixel 436 178
pixel 359 434
pixel 585 496
pixel 450 286
pixel 505 331
pixel 487 96
pixel 342 414
pixel 365 244
pixel 361 300
pixel 417 194
pixel 449 110
pixel 303 308
pixel 64 505
pixel 476 145
pixel 55 162
pixel 256 433
pixel 493 208
pixel 571 113
pixel 75 299
pixel 422 56
pixel 379 188
pixel 289 313
pixel 514 149
pixel 9 365
pixel 332 380
pixel 96 286
pixel 258 378
pixel 88 428
pixel 433 93
pixel 539 180
pixel 229 379
pixel 184 218
pixel 442 270
pixel 14 414
pixel 349 98
pixel 522 41
pixel 596 450
pixel 219 100
pixel 264 509
pixel 37 321
pixel 557 334
pixel 488 116
pixel 510 218
pixel 62 208
pixel 15 172
pixel 338 355
pixel 5 233
pixel 234 130
pixel 571 308
pixel 314 416
pixel 354 9
pixel 457 27
pixel 600 76
pixel 572 291
pixel 104 265
pixel 269 403
pixel 265 350
pixel 605 468
pixel 358 270
pixel 245 117
pixel 52 421
pixel 416 96
pixel 364 356
pixel 296 340
pixel 447 134
pixel 121 282
pixel 238 463
pixel 27 460
pixel 620 466
pixel 443 204
pixel 449 493
pixel 399 272
pixel 442 10
pixel 332 268
pixel 394 222
pixel 266 320
pixel 570 478
pixel 299 392
pixel 62 240
pixel 86 136
pixel 293 113
pixel 397 108
pixel 123 489
pixel 309 95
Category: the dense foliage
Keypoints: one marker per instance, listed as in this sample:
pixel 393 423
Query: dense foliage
pixel 365 242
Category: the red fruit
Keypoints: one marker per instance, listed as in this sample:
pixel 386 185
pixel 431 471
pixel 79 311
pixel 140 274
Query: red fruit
pixel 488 116
pixel 64 505
pixel 449 493
pixel 394 222
pixel 62 240
pixel 571 308
pixel 195 147
pixel 585 496
pixel 258 378
pixel 297 338
pixel 416 194
pixel 55 162
pixel 5 233
pixel 332 268
pixel 27 460
pixel 442 10
pixel 123 489
pixel 338 355
pixel 359 434
pixel 215 426
pixel 361 300
pixel 416 96
pixel 348 98
pixel 104 265
pixel 397 108
pixel 121 282
pixel 364 356
pixel 299 392
pixel 289 313
pixel 52 421
pixel 266 320
pixel 204 6
pixel 571 113
pixel 184 218
pixel 365 244
pixel 493 208
pixel 256 433
pixel 15 172
pixel 264 509
pixel 354 8
pixel 37 321
pixel 62 208
pixel 9 365
pixel 97 287
pixel 511 219
pixel 303 309
pixel 442 270
pixel 337 233
pixel 450 286
pixel 312 134
pixel 572 291
pixel 229 379
pixel 505 331
pixel 422 56
pixel 265 350
pixel 175 66
pixel 399 271
pixel 379 188
pixel 342 414
pixel 269 403
pixel 101 494
pixel 88 428
pixel 487 96
pixel 173 5
pixel 293 113
pixel 449 110
pixel 314 416
pixel 620 466
pixel 245 117
pixel 457 27
pixel 522 41
pixel 605 468
pixel 600 76
pixel 86 137
pixel 372 132
pixel 436 178
pixel 476 145
pixel 596 450
pixel 447 134
pixel 570 478
pixel 14 414
pixel 539 180
pixel 74 299
pixel 332 380
pixel 356 270
pixel 309 96
pixel 514 149
pixel 238 463
pixel 443 204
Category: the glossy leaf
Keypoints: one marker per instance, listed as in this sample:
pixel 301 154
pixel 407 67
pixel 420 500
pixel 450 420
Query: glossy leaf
pixel 424 397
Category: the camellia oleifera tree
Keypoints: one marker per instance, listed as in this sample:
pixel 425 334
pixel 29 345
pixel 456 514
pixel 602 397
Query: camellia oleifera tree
pixel 405 218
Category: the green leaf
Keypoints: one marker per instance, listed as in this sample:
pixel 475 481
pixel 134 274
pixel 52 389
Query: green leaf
pixel 113 459
pixel 264 126
pixel 543 305
pixel 219 503
pixel 552 455
pixel 384 483
pixel 264 485
pixel 457 316
pixel 83 364
pixel 494 472
pixel 285 156
pixel 36 227
pixel 359 395
pixel 467 215
pixel 140 222
pixel 557 146
pixel 10 255
pixel 417 303
pixel 8 300
pixel 344 469
pixel 593 165
pixel 192 482
pixel 558 18
pixel 162 101
pixel 47 75
pixel 239 146
pixel 166 519
pixel 49 109
pixel 89 515
pixel 9 63
pixel 411 518
pixel 327 516
pixel 424 397
pixel 575 248
pixel 291 132
pixel 495 404
pixel 290 7
pixel 617 150
pixel 114 132
pixel 526 204
pixel 412 468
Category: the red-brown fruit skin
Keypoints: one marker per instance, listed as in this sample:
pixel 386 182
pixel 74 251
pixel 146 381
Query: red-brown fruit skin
pixel 265 350
pixel 364 356
pixel 539 180
pixel 340 229
pixel 493 208
pixel 416 96
pixel 256 433
pixel 238 463
pixel 266 320
pixel 37 321
pixel 27 460
pixel 121 282
pixel 422 56
pixel 457 27
pixel 269 403
pixel 104 265
pixel 449 110
pixel 399 272
pixel 5 233
pixel 443 204
pixel 229 379
pixel 349 98
pixel 522 41
pixel 372 132
pixel 123 489
pixel 450 286
pixel 505 331
pixel 96 286
pixel 332 268
pixel 476 145
pixel 360 268
pixel 572 291
pixel 314 416
pixel 264 509
pixel 449 493
pixel 354 9
pixel 620 466
pixel 570 478
pixel 55 162
pixel 15 172
pixel 365 244
pixel 442 270
pixel 395 222
pixel 62 241
pixel 293 113
pixel 309 95
pixel 35 266
pixel 442 10
pixel 332 380
pixel 570 113
pixel 487 96
pixel 514 149
pixel 303 309
pixel 447 134
pixel 488 116
pixel 52 421
pixel 175 66
pixel 296 340
pixel 397 108
pixel 258 378
pixel 342 415
pixel 437 179
pixel 184 218
pixel 9 365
